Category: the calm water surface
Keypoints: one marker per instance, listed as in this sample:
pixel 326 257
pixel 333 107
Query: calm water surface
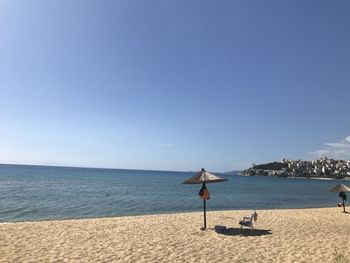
pixel 43 192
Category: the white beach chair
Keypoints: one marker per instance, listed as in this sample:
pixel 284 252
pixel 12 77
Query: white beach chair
pixel 248 220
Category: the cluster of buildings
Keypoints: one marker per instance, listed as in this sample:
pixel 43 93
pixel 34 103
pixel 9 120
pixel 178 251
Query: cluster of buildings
pixel 323 167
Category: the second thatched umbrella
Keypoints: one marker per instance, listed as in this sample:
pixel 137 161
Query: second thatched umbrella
pixel 204 177
pixel 341 188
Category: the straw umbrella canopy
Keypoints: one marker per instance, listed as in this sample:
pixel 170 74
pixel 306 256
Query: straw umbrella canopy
pixel 341 188
pixel 203 177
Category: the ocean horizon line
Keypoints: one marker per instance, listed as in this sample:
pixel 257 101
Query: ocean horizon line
pixel 105 168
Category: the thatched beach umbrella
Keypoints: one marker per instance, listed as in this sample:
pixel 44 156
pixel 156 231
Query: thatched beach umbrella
pixel 341 188
pixel 204 177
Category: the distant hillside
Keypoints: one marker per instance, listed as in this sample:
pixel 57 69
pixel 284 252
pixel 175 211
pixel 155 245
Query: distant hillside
pixel 320 168
pixel 271 166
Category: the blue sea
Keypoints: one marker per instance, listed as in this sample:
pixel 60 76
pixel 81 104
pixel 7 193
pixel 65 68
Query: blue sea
pixel 30 193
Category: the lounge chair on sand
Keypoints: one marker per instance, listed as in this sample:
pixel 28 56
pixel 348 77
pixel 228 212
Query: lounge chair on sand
pixel 248 220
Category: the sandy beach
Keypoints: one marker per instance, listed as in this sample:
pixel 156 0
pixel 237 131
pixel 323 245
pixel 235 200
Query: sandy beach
pixel 294 235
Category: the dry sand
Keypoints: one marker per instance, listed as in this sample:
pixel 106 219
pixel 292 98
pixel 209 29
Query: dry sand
pixel 302 235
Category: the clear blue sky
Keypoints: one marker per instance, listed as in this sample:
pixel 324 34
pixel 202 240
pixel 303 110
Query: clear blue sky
pixel 173 85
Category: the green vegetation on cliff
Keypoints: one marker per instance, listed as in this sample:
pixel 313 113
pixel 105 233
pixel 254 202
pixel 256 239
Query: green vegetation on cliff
pixel 271 166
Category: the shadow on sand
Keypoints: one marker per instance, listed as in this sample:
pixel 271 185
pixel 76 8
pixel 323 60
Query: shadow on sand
pixel 243 232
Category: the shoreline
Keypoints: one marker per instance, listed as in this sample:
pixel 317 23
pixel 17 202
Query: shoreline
pixel 165 213
pixel 297 177
pixel 280 235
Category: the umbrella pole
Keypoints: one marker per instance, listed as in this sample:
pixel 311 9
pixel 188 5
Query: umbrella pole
pixel 205 215
pixel 344 205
